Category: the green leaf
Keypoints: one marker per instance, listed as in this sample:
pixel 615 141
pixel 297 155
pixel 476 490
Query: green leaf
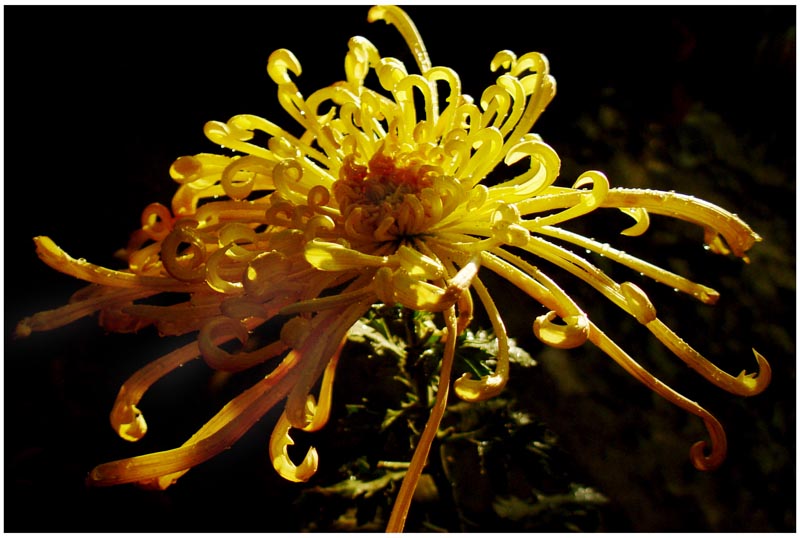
pixel 353 488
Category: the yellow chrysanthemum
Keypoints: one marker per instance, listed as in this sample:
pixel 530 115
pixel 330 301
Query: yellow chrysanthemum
pixel 383 198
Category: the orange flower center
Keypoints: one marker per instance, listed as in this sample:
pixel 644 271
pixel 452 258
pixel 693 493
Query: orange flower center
pixel 385 200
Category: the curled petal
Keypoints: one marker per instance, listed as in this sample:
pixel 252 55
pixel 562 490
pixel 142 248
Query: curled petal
pixel 599 184
pixel 130 423
pixel 234 237
pixel 161 469
pixel 242 175
pixel 279 444
pixel 487 145
pixel 445 122
pixel 320 411
pixel 638 303
pixel 544 167
pixel 468 118
pixel 704 457
pixel 642 218
pixel 186 169
pixel 588 201
pixel 360 57
pixel 475 390
pixel 390 71
pixel 478 390
pixel 215 272
pixel 183 253
pixel 477 198
pixel 573 334
pixel 458 152
pixel 504 59
pixel 317 225
pixel 126 419
pixel 717 221
pixel 540 86
pixel 530 61
pixel 280 63
pixel 496 101
pixel 223 328
pixel 287 176
pixel 318 197
pixel 716 243
pixel 397 17
pixel 156 221
pixel 227 134
pixel 404 93
pixel 742 385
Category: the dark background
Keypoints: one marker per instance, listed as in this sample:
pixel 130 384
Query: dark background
pixel 100 101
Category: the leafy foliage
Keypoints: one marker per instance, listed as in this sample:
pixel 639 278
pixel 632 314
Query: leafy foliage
pixel 493 466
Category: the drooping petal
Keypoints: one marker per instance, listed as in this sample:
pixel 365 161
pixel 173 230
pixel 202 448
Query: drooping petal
pixel 402 502
pixel 700 458
pixel 161 469
pixel 59 260
pixel 702 293
pixel 475 390
pixel 317 414
pixel 58 317
pixel 279 444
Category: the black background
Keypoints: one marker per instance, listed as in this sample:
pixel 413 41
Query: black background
pixel 100 101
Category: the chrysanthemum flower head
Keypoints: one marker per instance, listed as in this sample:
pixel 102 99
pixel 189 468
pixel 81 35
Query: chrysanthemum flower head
pixel 383 197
